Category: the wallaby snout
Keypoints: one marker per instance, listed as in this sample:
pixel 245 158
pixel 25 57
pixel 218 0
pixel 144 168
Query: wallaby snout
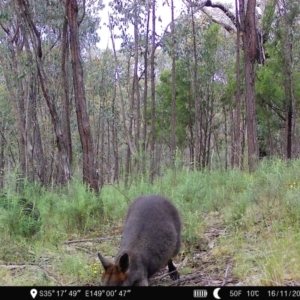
pixel 151 238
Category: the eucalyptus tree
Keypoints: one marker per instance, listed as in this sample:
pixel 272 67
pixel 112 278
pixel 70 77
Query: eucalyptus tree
pixel 35 41
pixel 89 163
pixel 250 44
pixel 153 170
pixel 288 12
pixel 118 71
pixel 8 133
pixel 248 28
pixel 184 112
pixel 197 103
pixel 237 132
pixel 173 100
pixel 278 80
pixel 145 92
pixel 20 76
pixel 101 90
pixel 34 24
pixel 138 46
pixel 199 50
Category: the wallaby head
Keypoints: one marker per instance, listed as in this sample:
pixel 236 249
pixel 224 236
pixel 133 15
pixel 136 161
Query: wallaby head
pixel 151 238
pixel 115 274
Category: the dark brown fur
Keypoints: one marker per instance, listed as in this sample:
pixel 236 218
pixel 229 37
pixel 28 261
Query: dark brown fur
pixel 151 238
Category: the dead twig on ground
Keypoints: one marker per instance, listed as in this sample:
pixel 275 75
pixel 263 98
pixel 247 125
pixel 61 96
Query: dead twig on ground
pixel 11 267
pixel 84 249
pixel 91 240
pixel 225 276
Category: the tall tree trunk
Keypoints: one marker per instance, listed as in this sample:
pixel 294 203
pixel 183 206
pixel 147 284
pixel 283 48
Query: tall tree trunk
pixel 64 167
pixel 32 128
pixel 65 88
pixel 237 153
pixel 196 99
pixel 130 144
pixel 11 79
pixel 115 139
pixel 250 50
pixel 103 157
pixel 89 163
pixel 232 131
pixel 2 161
pixel 152 70
pixel 210 126
pixel 135 90
pixel 145 91
pixel 288 82
pixel 10 71
pixel 126 130
pixel 128 166
pixel 173 96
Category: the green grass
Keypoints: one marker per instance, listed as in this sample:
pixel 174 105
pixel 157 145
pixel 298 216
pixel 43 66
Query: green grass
pixel 250 219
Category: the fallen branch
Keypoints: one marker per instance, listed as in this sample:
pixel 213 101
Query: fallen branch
pixel 91 240
pixel 181 281
pixel 11 267
pixel 225 276
pixel 84 249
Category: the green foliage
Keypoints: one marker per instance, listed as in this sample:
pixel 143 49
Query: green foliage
pixel 211 43
pixel 77 209
pixel 20 216
pixel 184 105
pixel 273 77
pixel 268 17
pixel 74 266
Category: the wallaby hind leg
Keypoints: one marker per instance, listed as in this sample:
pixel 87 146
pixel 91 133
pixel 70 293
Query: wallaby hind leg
pixel 172 270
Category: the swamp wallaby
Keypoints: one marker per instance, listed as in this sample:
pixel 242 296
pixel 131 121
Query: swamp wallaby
pixel 151 238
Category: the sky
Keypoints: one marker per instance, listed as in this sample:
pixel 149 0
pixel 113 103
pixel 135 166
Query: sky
pixel 162 11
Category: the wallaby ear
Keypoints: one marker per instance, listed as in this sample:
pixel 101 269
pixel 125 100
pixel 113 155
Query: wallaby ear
pixel 123 262
pixel 105 262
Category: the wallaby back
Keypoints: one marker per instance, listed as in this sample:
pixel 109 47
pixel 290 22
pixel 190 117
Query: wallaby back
pixel 151 238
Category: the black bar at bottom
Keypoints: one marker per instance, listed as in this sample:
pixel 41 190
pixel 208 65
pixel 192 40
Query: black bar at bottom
pixel 184 293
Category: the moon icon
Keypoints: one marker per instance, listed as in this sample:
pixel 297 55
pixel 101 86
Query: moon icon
pixel 215 293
